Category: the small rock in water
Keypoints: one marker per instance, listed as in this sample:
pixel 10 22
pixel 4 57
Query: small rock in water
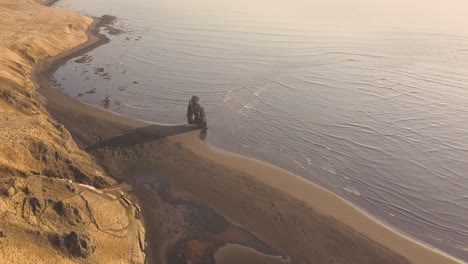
pixel 98 69
pixel 92 91
pixel 106 102
pixel 84 59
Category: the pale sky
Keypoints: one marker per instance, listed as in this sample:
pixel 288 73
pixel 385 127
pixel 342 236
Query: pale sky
pixel 450 16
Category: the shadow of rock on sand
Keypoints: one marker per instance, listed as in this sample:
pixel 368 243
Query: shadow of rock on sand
pixel 141 136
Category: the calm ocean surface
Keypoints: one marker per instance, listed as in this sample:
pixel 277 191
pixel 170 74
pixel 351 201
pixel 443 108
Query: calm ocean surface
pixel 375 113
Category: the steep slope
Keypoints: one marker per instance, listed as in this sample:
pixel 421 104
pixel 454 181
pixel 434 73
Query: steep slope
pixel 33 143
pixel 45 215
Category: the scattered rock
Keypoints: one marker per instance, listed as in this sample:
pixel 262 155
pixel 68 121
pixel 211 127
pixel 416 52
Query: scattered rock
pixel 98 70
pixel 91 91
pixel 32 208
pixel 108 23
pixel 137 208
pixel 92 188
pixel 71 188
pixel 105 76
pixel 126 201
pixel 34 205
pixel 10 191
pixel 111 30
pixel 84 59
pixel 71 214
pixel 18 184
pixel 79 245
pixel 113 197
pixel 27 191
pixel 106 102
pixel 75 244
pixel 2 234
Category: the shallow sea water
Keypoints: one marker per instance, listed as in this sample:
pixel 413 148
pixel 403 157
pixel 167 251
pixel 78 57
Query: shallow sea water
pixel 376 114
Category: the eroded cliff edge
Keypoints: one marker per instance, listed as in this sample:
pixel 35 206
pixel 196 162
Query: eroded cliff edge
pixel 49 209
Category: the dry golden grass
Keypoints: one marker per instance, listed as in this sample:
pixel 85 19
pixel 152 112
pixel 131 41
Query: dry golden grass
pixel 35 148
pixel 33 143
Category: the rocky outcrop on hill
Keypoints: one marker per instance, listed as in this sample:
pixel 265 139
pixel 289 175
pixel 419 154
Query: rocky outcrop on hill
pixel 47 220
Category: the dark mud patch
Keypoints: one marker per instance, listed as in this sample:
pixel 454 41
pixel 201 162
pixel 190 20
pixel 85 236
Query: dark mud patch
pixel 184 230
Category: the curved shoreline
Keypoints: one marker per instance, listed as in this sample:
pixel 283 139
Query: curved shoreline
pixel 336 206
pixel 278 179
